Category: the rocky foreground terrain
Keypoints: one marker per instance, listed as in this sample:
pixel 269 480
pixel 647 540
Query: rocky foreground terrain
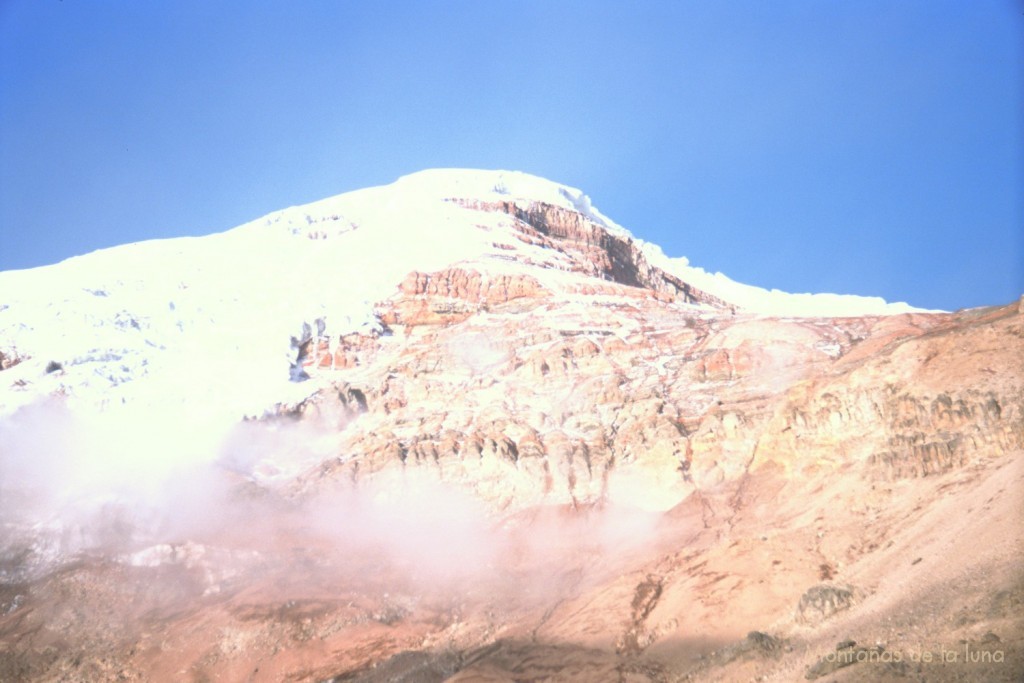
pixel 558 461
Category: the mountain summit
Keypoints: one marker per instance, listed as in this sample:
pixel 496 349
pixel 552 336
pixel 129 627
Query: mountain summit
pixel 164 320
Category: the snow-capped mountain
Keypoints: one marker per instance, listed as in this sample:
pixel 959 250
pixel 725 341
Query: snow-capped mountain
pixel 498 438
pixel 163 322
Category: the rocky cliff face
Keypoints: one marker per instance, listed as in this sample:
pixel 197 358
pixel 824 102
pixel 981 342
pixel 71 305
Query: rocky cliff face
pixel 557 461
pixel 598 252
pixel 638 398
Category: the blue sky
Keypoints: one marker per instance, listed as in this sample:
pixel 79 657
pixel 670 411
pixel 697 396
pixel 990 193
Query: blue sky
pixel 863 147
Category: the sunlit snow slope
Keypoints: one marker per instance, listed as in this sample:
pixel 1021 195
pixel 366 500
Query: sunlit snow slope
pixel 202 326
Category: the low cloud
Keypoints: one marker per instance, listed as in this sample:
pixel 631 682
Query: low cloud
pixel 150 489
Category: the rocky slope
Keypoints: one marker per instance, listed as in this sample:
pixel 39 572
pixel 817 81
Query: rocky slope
pixel 549 456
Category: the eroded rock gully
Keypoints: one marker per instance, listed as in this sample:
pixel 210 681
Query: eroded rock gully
pixel 656 489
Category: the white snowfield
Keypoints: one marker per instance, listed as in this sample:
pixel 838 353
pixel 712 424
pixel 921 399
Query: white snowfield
pixel 200 328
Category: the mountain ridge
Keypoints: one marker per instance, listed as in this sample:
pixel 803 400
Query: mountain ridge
pixel 369 240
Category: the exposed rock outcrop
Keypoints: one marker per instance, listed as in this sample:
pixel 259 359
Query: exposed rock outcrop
pixel 9 360
pixel 821 602
pixel 599 252
pixel 455 294
pixel 638 396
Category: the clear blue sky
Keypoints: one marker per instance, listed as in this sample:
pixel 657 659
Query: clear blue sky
pixel 858 147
